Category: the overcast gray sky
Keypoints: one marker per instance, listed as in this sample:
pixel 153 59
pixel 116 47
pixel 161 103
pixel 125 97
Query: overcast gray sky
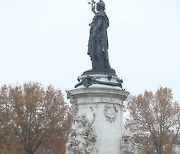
pixel 46 41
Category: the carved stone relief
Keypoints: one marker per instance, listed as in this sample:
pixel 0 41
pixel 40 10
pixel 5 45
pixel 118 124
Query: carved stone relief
pixel 82 136
pixel 110 112
pixel 75 107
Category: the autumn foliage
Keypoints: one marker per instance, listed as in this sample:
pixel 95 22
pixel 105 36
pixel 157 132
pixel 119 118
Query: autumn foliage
pixel 33 119
pixel 155 120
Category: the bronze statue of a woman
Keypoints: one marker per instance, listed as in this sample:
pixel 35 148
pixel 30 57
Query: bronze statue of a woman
pixel 98 39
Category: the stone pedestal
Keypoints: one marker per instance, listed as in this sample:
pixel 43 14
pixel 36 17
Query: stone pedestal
pixel 99 107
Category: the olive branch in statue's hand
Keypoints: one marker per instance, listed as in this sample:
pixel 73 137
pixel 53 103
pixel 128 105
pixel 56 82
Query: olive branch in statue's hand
pixel 92 2
pixel 93 5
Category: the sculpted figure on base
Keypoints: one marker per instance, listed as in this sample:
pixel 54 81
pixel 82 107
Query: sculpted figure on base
pixel 82 136
pixel 98 39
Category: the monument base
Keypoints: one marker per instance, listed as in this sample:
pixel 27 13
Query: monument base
pixel 98 115
pixel 105 71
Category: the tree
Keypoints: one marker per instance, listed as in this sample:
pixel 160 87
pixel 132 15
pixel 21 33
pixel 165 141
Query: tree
pixel 33 117
pixel 155 120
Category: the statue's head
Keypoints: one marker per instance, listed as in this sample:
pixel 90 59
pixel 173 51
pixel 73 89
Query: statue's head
pixel 100 5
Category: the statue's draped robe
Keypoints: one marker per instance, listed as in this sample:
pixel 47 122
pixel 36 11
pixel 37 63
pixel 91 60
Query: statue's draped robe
pixel 98 41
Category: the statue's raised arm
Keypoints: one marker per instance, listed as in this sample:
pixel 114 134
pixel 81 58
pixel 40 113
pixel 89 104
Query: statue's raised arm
pixel 93 5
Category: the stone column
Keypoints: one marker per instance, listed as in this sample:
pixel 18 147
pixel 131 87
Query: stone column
pixel 99 107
